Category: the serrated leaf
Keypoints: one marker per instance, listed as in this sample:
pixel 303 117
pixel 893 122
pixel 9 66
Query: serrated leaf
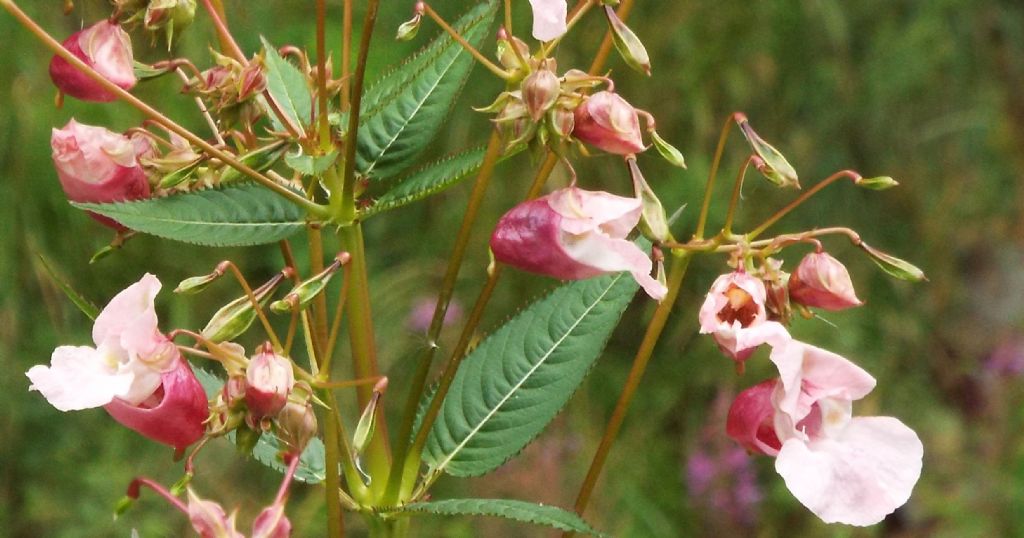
pixel 537 514
pixel 404 112
pixel 431 179
pixel 312 466
pixel 84 305
pixel 242 214
pixel 309 165
pixel 258 159
pixel 288 86
pixel 511 386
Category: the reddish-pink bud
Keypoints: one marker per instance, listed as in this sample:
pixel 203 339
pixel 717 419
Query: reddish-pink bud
pixel 106 48
pixel 822 281
pixel 540 90
pixel 174 415
pixel 606 121
pixel 97 165
pixel 209 519
pixel 269 379
pixel 272 523
pixel 751 419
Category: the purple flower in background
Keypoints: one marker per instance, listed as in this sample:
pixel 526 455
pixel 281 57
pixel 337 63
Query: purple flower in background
pixel 723 480
pixel 422 313
pixel 1007 359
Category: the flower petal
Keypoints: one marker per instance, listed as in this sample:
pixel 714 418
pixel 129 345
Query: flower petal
pixel 77 378
pixel 810 374
pixel 548 19
pixel 857 478
pixel 611 255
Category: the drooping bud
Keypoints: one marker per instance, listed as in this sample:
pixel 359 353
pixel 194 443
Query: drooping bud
pixel 235 317
pixel 607 122
pixel 197 284
pixel 892 265
pixel 269 379
pixel 561 121
pixel 653 222
pixel 296 425
pixel 209 519
pixel 272 523
pixel 574 234
pixel 750 421
pixel 106 48
pixel 97 165
pixel 170 15
pixel 821 281
pixel 776 283
pixel 303 294
pixel 667 151
pixel 173 415
pixel 773 166
pixel 549 19
pixel 627 43
pixel 540 90
pixel 368 421
pixel 512 51
pixel 408 29
pixel 879 183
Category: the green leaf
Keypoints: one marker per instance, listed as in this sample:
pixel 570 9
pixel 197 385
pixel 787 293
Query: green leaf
pixel 83 304
pixel 146 71
pixel 312 467
pixel 242 214
pixel 538 514
pixel 403 112
pixel 258 159
pixel 518 379
pixel 288 86
pixel 431 179
pixel 309 165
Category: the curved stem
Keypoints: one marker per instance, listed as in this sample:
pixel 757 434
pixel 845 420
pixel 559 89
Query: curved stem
pixel 849 174
pixel 643 355
pixel 313 209
pixel 499 72
pixel 135 485
pixel 737 187
pixel 712 175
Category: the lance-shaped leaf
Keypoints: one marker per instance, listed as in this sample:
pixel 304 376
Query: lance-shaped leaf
pixel 242 214
pixel 773 166
pixel 537 514
pixel 84 305
pixel 403 113
pixel 519 378
pixel 288 86
pixel 432 179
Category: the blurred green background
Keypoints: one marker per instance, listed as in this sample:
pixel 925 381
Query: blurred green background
pixel 931 93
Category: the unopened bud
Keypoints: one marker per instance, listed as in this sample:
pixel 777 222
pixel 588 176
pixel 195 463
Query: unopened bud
pixel 653 222
pixel 408 29
pixel 209 519
pixel 105 47
pixel 667 151
pixel 269 379
pixel 368 421
pixel 296 425
pixel 170 15
pixel 507 51
pixel 540 90
pixel 822 281
pixel 773 166
pixel 304 293
pixel 246 439
pixel 879 183
pixel 562 122
pixel 197 284
pixel 272 523
pixel 894 266
pixel 627 43
pixel 608 122
pixel 235 317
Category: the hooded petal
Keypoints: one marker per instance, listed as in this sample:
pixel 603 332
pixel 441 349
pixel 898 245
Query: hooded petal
pixel 750 419
pixel 528 237
pixel 548 19
pixel 584 211
pixel 857 478
pixel 78 378
pixel 809 374
pixel 129 322
pixel 607 255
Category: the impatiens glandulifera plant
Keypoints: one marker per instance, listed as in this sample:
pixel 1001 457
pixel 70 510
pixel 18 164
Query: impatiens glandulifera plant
pixel 296 145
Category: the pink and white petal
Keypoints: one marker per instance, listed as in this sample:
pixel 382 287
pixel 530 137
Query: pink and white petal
pixel 772 333
pixel 857 478
pixel 145 382
pixel 713 304
pixel 810 373
pixel 609 255
pixel 548 19
pixel 616 215
pixel 77 378
pixel 753 286
pixel 131 309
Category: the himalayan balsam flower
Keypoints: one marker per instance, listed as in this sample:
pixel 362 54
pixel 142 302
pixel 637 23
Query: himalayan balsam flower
pixel 106 48
pixel 97 165
pixel 734 313
pixel 574 234
pixel 134 371
pixel 269 379
pixel 853 470
pixel 607 122
pixel 822 281
pixel 548 19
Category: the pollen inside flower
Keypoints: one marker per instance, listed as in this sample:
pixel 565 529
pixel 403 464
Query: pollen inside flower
pixel 741 307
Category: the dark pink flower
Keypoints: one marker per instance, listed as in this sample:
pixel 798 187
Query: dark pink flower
pixel 106 48
pixel 607 122
pixel 822 281
pixel 574 234
pixel 751 419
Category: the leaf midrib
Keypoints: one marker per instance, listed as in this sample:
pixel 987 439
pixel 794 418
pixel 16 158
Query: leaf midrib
pixel 458 448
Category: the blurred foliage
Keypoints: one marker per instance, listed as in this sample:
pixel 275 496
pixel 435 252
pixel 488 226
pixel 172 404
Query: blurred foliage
pixel 927 92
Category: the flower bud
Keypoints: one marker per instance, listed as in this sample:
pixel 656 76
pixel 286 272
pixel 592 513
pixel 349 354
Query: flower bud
pixel 821 281
pixel 408 29
pixel 235 317
pixel 627 43
pixel 561 121
pixel 269 379
pixel 507 51
pixel 653 222
pixel 304 293
pixel 574 234
pixel 607 122
pixel 209 519
pixel 773 166
pixel 296 425
pixel 97 165
pixel 750 421
pixel 173 415
pixel 170 15
pixel 106 48
pixel 540 90
pixel 272 523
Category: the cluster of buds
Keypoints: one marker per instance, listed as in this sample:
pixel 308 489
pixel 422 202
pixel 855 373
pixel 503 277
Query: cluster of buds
pixel 230 87
pixel 169 16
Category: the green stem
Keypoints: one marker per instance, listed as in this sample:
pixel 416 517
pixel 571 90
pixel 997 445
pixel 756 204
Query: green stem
pixel 313 209
pixel 850 174
pixel 712 175
pixel 643 355
pixel 332 480
pixel 316 266
pixel 735 199
pixel 322 75
pixel 444 296
pixel 347 203
pixel 499 72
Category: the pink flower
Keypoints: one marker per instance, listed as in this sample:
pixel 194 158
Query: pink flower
pixel 607 122
pixel 822 281
pixel 209 519
pixel 106 48
pixel 853 470
pixel 272 523
pixel 127 363
pixel 269 379
pixel 574 234
pixel 548 19
pixel 734 314
pixel 97 165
